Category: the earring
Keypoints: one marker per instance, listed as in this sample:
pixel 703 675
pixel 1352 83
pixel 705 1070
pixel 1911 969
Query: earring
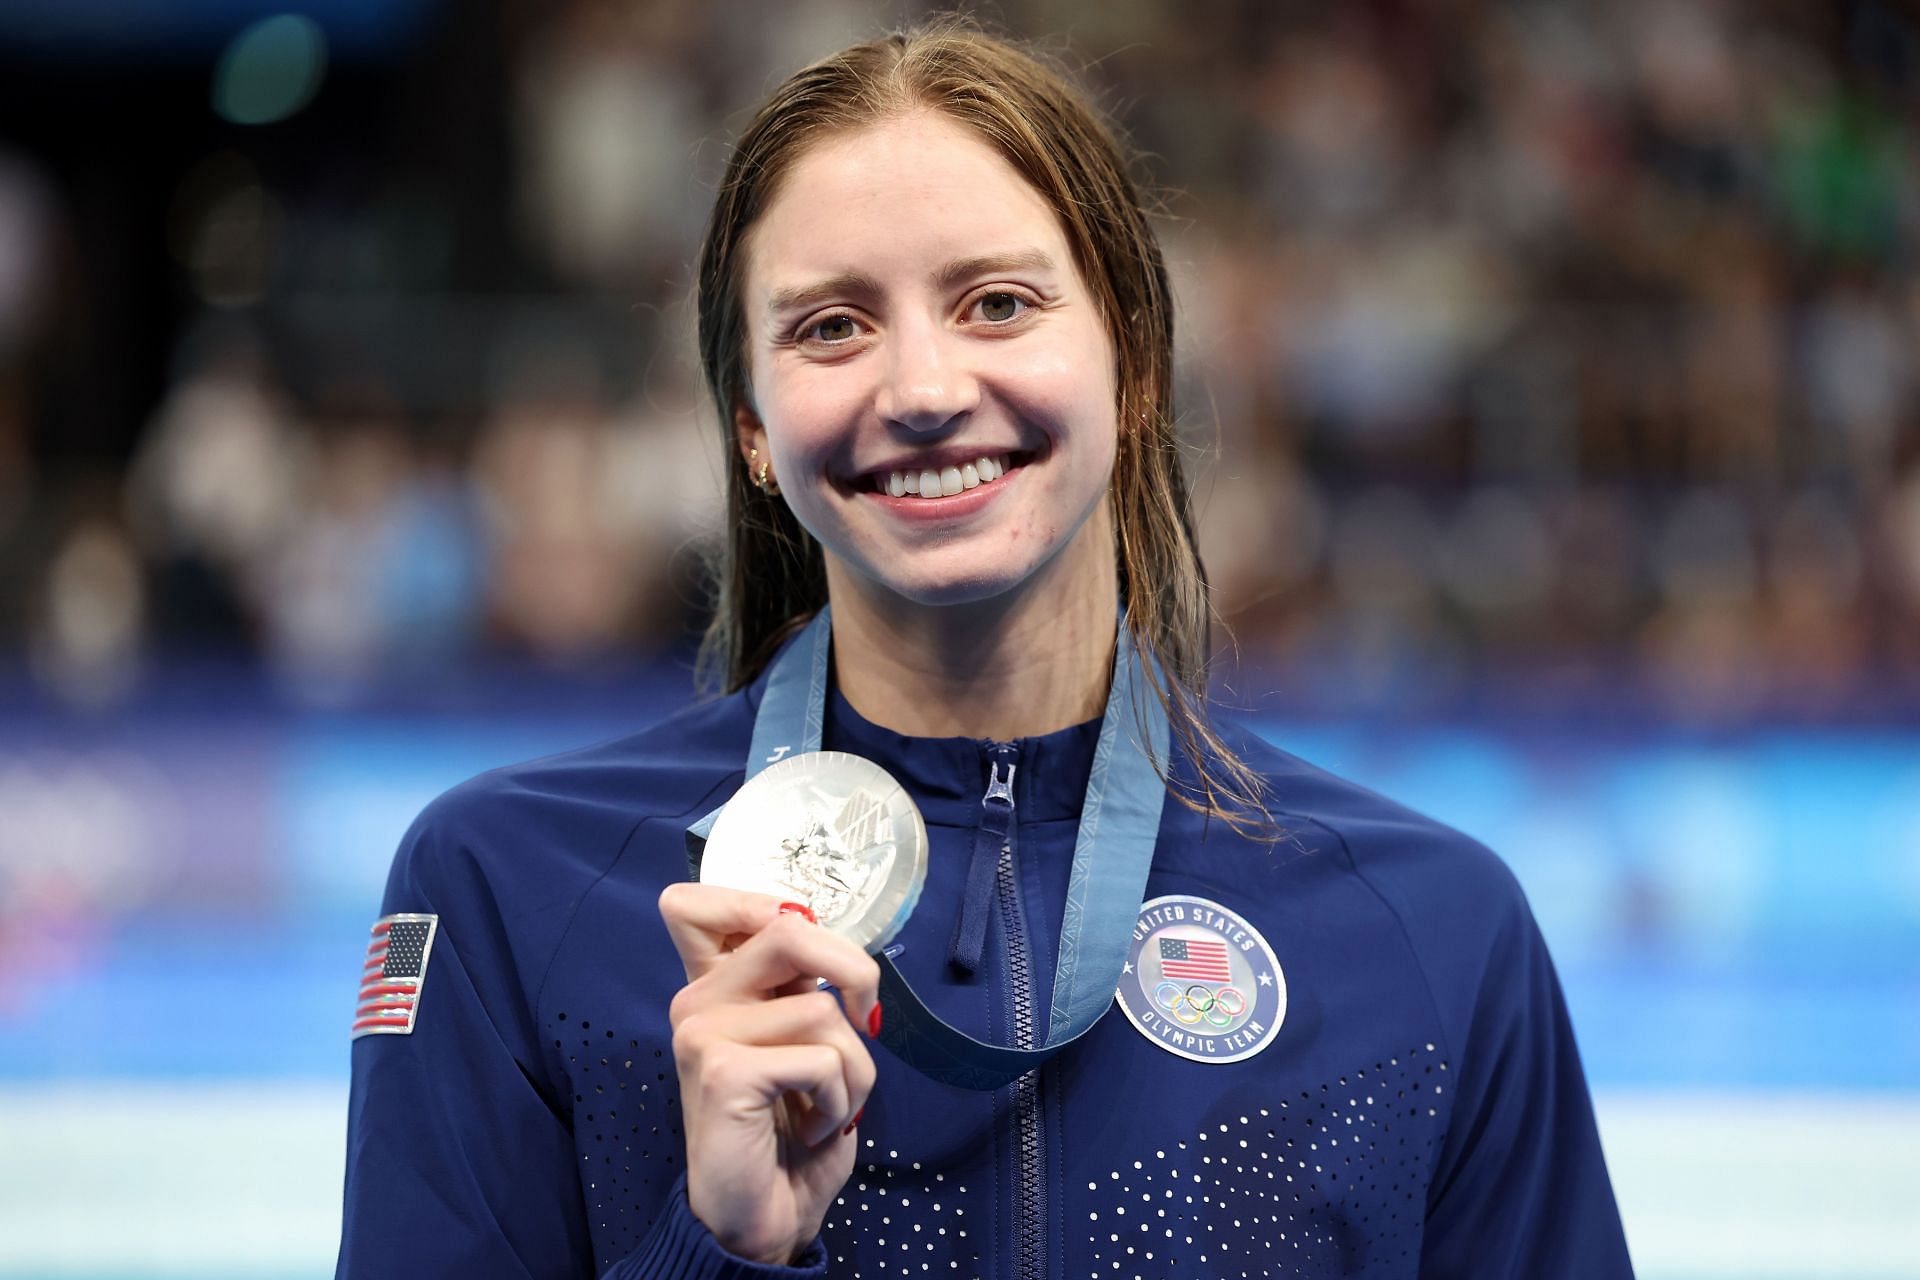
pixel 763 478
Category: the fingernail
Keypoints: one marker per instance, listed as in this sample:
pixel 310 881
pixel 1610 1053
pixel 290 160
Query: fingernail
pixel 856 1122
pixel 873 1021
pixel 798 909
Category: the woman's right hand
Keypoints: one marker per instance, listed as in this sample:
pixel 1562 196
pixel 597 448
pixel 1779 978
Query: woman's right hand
pixel 772 1077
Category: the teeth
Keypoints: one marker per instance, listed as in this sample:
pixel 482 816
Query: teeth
pixel 947 481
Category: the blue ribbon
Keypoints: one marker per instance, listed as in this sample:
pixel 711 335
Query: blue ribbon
pixel 1112 854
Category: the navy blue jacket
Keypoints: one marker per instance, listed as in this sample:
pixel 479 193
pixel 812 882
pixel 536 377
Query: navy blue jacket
pixel 1421 1111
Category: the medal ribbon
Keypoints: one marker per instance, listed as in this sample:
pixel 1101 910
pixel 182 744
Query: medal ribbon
pixel 1112 854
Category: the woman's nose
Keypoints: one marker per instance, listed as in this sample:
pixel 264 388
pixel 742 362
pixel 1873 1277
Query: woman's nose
pixel 926 386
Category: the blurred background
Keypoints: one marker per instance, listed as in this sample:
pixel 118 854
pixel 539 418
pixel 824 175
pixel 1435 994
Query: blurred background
pixel 1549 370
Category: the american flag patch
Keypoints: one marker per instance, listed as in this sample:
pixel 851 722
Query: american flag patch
pixel 390 978
pixel 1194 960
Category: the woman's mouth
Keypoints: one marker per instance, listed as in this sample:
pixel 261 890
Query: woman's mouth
pixel 945 481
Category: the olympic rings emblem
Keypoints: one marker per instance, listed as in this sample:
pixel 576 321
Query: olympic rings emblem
pixel 1196 1003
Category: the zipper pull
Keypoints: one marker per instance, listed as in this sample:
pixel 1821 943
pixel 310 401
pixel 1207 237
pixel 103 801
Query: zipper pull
pixel 999 788
pixel 989 841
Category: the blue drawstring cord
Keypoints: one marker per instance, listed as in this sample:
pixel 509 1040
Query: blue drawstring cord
pixel 989 838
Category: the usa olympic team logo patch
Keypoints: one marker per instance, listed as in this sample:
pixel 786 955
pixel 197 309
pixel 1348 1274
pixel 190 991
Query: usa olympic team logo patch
pixel 1201 982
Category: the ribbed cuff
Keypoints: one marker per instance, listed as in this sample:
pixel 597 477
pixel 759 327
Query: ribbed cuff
pixel 681 1248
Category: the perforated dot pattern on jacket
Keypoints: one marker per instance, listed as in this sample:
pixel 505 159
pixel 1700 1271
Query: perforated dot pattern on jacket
pixel 1324 1181
pixel 895 1218
pixel 626 1128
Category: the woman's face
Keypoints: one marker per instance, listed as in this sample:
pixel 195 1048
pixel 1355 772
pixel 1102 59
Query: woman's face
pixel 912 309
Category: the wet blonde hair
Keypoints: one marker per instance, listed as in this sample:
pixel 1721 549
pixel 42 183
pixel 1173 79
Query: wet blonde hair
pixel 770 573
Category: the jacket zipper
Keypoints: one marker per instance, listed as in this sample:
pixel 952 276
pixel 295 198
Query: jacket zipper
pixel 1029 1209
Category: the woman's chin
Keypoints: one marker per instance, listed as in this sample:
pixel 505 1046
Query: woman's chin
pixel 946 590
pixel 1051 562
pixel 931 581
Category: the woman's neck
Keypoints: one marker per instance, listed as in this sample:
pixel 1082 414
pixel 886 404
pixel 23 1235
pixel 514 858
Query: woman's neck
pixel 1031 662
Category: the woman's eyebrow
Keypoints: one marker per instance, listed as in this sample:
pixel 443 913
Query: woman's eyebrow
pixel 813 294
pixel 958 272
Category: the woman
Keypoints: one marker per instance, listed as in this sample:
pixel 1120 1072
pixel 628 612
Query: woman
pixel 936 321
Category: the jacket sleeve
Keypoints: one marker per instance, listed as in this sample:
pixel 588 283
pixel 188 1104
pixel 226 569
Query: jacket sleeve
pixel 1520 1188
pixel 460 1154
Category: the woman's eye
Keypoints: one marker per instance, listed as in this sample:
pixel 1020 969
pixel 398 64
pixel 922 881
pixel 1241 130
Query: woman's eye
pixel 1001 307
pixel 832 329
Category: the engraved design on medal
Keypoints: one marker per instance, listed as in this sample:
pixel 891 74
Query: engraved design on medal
pixel 832 830
pixel 859 821
pixel 829 866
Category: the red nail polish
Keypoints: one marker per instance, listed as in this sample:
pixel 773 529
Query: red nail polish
pixel 856 1122
pixel 873 1021
pixel 798 909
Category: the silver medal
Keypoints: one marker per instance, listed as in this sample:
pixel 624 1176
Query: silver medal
pixel 828 829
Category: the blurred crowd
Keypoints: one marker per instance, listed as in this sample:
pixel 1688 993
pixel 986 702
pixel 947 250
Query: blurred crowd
pixel 1572 341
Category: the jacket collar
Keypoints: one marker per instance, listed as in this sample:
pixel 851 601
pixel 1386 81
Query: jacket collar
pixel 947 777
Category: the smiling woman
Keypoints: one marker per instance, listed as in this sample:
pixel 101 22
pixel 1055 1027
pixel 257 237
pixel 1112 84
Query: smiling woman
pixel 1019 267
pixel 961 639
pixel 898 350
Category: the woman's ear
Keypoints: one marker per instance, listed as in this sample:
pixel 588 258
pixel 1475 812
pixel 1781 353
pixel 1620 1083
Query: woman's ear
pixel 749 433
pixel 752 438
